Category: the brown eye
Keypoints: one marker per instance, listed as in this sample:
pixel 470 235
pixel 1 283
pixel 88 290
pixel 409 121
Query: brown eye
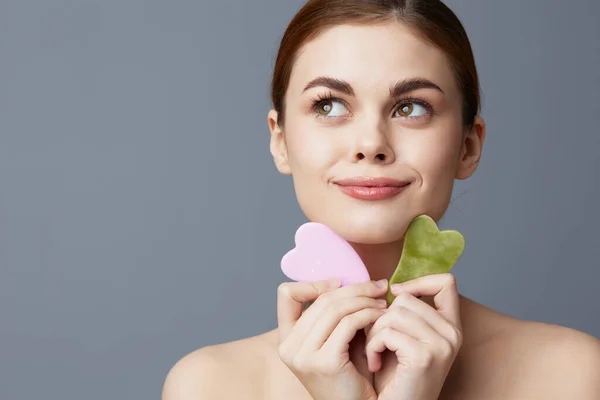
pixel 327 108
pixel 405 109
pixel 413 109
pixel 324 107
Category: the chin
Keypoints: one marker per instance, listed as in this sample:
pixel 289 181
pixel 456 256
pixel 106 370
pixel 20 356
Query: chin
pixel 365 228
pixel 371 223
pixel 372 231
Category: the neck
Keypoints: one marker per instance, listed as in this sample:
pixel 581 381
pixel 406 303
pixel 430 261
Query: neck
pixel 381 260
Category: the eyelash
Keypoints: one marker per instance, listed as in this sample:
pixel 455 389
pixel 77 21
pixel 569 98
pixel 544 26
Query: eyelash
pixel 330 97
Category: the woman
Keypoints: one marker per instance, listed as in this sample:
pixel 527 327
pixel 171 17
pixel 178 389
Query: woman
pixel 375 113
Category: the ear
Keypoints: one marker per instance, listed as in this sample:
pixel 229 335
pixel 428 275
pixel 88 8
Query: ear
pixel 278 145
pixel 471 149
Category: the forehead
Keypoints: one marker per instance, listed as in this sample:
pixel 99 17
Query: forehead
pixel 370 56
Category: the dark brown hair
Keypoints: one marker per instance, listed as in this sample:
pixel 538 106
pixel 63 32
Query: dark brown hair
pixel 431 19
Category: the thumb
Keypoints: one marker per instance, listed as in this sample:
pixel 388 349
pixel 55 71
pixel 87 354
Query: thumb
pixel 291 296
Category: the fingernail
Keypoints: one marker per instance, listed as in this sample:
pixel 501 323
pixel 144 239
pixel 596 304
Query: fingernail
pixel 397 288
pixel 383 302
pixel 382 283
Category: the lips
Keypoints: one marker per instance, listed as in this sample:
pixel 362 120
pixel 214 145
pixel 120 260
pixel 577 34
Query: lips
pixel 371 188
pixel 369 181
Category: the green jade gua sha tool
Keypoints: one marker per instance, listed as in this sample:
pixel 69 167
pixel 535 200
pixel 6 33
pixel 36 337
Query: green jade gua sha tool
pixel 426 251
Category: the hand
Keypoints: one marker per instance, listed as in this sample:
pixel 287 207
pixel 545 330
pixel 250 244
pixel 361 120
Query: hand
pixel 425 340
pixel 315 344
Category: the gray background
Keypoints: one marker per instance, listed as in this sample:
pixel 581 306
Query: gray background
pixel 141 216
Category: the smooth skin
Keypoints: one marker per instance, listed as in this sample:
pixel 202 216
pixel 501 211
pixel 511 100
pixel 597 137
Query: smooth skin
pixel 345 345
pixel 422 340
pixel 315 345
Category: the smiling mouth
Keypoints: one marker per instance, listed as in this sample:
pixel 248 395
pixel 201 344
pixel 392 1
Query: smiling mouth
pixel 371 188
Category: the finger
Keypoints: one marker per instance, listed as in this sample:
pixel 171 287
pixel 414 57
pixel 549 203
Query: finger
pixel 339 340
pixel 368 327
pixel 425 311
pixel 403 345
pixel 443 289
pixel 368 289
pixel 356 351
pixel 291 296
pixel 327 321
pixel 405 321
pixel 309 319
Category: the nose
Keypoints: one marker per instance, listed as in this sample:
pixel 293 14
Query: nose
pixel 372 146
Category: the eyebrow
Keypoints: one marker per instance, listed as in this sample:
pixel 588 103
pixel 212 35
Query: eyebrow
pixel 398 89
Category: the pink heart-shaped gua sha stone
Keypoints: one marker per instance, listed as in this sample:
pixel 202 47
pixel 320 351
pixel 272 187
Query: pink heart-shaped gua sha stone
pixel 320 254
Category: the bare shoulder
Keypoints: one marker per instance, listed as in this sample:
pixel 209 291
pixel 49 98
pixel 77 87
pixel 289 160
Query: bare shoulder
pixel 557 362
pixel 227 370
pixel 511 358
pixel 196 376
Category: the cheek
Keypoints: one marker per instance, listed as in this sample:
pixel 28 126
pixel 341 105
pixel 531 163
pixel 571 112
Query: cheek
pixel 311 152
pixel 311 155
pixel 434 156
pixel 435 160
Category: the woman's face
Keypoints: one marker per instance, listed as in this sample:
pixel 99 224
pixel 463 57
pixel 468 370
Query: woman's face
pixel 395 114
